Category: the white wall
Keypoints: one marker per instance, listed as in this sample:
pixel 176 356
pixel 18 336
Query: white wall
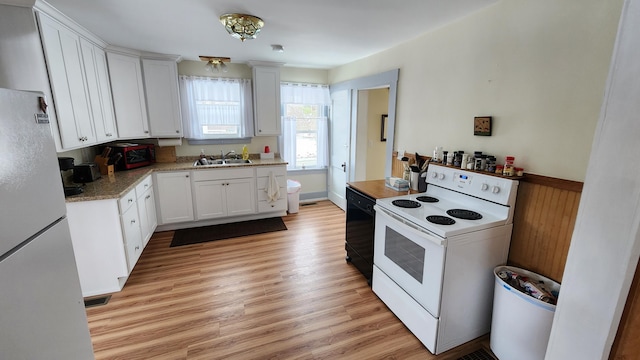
pixel 376 157
pixel 537 67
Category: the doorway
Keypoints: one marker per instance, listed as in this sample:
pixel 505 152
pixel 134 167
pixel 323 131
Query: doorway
pixel 343 133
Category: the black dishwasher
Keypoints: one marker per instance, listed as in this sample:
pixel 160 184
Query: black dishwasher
pixel 360 231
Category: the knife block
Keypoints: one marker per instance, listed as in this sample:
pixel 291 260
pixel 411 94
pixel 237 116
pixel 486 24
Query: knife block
pixel 102 165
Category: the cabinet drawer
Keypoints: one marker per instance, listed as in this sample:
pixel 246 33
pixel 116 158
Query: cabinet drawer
pixel 277 171
pixel 144 185
pixel 278 205
pixel 127 200
pixel 133 250
pixel 131 225
pixel 220 174
pixel 263 182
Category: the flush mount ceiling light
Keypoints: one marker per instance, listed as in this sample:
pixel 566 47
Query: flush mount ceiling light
pixel 242 26
pixel 215 63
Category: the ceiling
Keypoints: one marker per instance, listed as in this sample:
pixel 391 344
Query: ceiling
pixel 314 33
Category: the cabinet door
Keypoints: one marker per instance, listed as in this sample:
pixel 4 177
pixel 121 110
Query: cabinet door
pixel 132 236
pixel 125 74
pixel 174 197
pixel 266 100
pixel 210 198
pixel 95 64
pixel 163 99
pixel 147 214
pixel 68 83
pixel 240 195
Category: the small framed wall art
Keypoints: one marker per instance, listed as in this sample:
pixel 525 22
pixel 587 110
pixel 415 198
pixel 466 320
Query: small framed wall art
pixel 482 125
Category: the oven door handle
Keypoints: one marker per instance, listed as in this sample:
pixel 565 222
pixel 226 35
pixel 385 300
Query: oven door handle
pixel 410 226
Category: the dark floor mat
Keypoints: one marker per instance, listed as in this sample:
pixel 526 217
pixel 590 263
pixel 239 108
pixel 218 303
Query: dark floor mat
pixel 226 231
pixel 480 354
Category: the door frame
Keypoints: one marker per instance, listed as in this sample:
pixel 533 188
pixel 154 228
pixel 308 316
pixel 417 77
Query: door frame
pixel 388 79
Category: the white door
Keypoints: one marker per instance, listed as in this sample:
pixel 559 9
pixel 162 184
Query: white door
pixel 339 147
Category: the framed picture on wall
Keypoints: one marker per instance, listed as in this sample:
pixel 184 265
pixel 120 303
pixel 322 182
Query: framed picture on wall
pixel 482 125
pixel 383 127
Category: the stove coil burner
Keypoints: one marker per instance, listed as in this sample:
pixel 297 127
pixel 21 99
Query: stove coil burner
pixel 427 199
pixel 464 214
pixel 440 220
pixel 406 203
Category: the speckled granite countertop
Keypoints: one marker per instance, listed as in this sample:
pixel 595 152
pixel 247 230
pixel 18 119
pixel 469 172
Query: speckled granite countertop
pixel 116 186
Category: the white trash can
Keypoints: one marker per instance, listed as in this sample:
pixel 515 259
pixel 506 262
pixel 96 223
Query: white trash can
pixel 293 196
pixel 521 324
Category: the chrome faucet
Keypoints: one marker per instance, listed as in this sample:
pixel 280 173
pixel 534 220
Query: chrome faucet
pixel 224 156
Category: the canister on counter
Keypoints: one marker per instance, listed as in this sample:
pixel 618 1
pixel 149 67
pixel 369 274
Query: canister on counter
pixel 499 169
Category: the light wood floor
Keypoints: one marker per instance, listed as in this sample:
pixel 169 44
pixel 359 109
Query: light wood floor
pixel 282 295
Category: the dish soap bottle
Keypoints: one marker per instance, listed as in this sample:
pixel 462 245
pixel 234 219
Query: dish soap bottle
pixel 245 153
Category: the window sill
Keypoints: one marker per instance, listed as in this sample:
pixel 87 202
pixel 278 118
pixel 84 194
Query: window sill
pixel 218 141
pixel 307 171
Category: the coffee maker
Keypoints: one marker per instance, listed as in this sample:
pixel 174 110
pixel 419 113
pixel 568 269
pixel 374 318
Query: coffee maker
pixel 67 163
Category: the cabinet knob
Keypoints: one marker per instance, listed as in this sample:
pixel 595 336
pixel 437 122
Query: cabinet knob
pixel 186 175
pixel 133 221
pixel 137 248
pixel 146 131
pixel 148 196
pixel 130 200
pixel 177 131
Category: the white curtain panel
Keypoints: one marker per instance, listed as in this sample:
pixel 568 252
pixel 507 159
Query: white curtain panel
pixel 194 89
pixel 308 94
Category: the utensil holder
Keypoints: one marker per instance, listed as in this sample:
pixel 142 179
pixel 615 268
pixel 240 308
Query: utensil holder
pixel 415 179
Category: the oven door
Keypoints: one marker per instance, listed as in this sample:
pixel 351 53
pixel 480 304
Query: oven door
pixel 411 256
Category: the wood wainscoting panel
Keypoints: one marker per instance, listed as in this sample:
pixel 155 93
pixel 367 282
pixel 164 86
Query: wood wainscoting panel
pixel 627 342
pixel 543 224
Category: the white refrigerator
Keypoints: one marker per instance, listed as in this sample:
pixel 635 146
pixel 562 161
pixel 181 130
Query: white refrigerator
pixel 42 313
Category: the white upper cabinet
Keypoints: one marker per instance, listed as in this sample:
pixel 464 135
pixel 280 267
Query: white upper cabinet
pixel 125 74
pixel 163 98
pixel 95 64
pixel 266 100
pixel 65 65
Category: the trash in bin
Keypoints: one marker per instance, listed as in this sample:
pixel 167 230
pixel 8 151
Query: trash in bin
pixel 293 196
pixel 532 287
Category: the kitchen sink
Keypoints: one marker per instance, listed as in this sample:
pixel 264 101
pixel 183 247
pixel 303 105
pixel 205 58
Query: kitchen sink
pixel 219 162
pixel 237 161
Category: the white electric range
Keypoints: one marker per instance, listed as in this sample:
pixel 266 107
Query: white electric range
pixel 434 253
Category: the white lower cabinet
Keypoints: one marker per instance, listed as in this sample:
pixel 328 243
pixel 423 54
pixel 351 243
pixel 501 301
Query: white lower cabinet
pixel 224 193
pixel 108 238
pixel 173 197
pixel 146 209
pixel 262 175
pixel 130 221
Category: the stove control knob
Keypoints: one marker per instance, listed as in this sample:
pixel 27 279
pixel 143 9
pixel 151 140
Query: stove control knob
pixel 495 189
pixel 434 175
pixel 441 176
pixel 484 187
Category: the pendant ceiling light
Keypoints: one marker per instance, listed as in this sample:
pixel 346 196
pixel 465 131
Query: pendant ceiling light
pixel 242 26
pixel 215 63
